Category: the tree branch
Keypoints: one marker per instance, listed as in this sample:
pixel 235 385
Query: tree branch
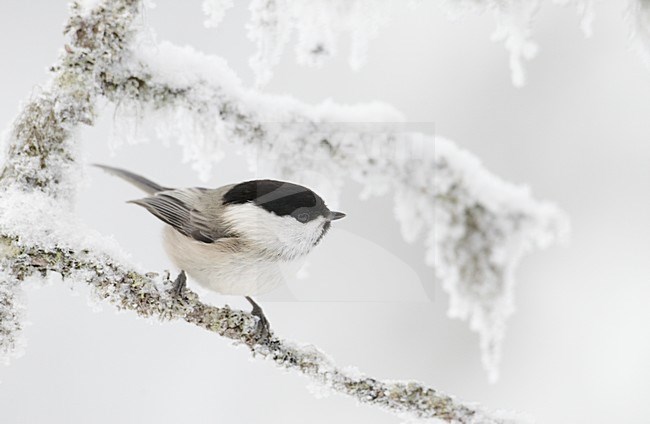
pixel 151 297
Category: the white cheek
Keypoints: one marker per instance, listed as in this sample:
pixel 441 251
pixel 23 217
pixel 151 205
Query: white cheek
pixel 266 231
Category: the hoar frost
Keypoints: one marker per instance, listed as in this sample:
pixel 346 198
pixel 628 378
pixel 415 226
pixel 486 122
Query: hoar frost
pixel 215 11
pixel 514 25
pixel 318 25
pixel 638 16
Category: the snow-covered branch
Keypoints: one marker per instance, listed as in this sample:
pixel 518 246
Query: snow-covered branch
pixel 150 297
pixel 40 172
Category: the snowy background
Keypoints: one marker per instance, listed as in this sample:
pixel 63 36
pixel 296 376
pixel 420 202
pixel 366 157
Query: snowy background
pixel 576 350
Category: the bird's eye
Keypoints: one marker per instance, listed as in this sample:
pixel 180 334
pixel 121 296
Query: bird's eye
pixel 303 217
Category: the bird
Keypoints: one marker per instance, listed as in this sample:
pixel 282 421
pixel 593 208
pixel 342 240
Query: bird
pixel 235 239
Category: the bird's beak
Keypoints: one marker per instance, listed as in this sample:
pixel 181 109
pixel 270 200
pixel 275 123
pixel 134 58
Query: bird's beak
pixel 333 216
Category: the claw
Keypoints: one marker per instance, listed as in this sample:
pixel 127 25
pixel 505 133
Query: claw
pixel 263 328
pixel 179 284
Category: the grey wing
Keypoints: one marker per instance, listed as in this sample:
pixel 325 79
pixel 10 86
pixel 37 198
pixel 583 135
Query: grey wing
pixel 186 211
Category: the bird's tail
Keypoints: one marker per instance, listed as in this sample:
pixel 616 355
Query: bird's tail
pixel 140 182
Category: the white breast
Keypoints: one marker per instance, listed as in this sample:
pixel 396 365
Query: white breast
pixel 223 268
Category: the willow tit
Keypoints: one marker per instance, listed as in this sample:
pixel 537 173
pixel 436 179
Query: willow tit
pixel 234 239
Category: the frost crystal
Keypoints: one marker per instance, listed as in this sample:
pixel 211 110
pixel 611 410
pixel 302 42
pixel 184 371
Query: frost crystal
pixel 638 15
pixel 215 11
pixel 482 228
pixel 318 24
pixel 514 20
pixel 586 11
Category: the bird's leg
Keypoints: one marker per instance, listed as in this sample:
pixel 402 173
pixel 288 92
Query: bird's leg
pixel 263 329
pixel 179 284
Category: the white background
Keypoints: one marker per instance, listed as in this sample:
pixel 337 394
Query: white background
pixel 577 350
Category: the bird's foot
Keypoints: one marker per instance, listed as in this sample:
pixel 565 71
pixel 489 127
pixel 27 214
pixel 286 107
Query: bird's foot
pixel 179 284
pixel 263 328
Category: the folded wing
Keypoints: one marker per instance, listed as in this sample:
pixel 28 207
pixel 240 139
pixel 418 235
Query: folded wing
pixel 183 210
